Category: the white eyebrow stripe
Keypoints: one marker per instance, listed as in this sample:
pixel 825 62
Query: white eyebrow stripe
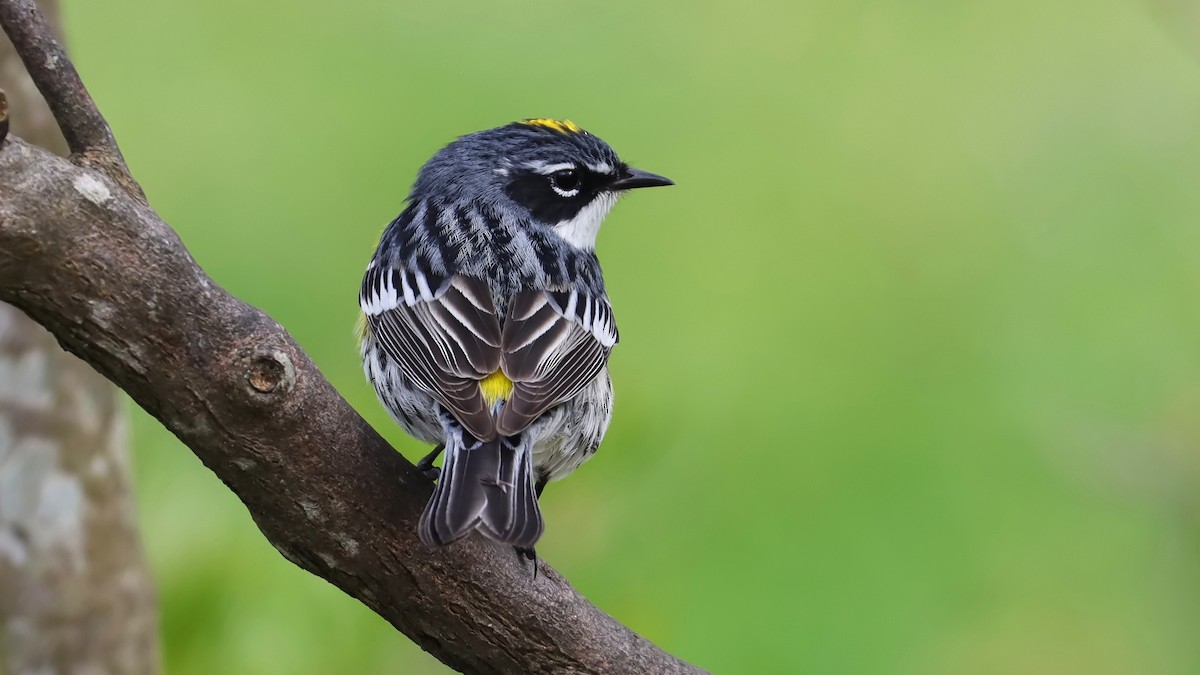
pixel 602 167
pixel 547 169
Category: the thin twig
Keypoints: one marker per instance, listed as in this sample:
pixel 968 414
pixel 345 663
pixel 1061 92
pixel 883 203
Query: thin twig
pixel 55 76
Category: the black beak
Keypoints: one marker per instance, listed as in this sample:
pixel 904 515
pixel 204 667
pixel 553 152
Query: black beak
pixel 636 178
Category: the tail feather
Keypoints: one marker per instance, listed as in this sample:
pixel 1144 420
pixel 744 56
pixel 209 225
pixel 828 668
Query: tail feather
pixel 461 494
pixel 497 515
pixel 525 526
pixel 484 485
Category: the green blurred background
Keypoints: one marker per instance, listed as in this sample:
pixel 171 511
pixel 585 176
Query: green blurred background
pixel 910 378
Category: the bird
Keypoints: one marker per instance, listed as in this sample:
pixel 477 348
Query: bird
pixel 485 327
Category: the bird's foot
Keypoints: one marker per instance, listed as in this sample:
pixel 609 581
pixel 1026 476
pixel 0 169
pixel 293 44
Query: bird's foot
pixel 425 465
pixel 528 554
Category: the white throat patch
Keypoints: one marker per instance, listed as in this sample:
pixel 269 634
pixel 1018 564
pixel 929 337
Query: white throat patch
pixel 581 230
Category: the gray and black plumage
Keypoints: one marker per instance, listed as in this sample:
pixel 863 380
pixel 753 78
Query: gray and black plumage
pixel 487 327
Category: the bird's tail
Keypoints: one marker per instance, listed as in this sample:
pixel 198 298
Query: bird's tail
pixel 484 485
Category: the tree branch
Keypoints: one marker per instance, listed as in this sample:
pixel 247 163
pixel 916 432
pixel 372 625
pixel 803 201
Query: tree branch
pixel 92 262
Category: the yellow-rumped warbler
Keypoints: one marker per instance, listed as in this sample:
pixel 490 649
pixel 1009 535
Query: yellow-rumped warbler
pixel 487 327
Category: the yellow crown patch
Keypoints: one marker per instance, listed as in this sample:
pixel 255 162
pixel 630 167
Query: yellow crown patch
pixel 561 126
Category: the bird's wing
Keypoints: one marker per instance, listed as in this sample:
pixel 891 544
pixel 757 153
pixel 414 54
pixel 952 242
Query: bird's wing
pixel 553 343
pixel 443 333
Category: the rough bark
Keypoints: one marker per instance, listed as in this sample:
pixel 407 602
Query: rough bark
pixel 84 255
pixel 75 590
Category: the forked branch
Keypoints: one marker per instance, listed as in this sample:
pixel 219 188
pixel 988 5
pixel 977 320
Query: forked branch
pixel 56 77
pixel 84 255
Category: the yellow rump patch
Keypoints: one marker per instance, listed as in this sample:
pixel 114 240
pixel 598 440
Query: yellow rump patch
pixel 561 126
pixel 495 387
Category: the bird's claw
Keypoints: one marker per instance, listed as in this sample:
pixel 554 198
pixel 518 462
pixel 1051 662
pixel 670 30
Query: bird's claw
pixel 425 464
pixel 528 554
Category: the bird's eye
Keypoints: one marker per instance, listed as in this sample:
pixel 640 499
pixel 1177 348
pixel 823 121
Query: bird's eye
pixel 565 182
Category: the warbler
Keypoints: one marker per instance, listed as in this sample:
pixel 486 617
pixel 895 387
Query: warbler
pixel 487 327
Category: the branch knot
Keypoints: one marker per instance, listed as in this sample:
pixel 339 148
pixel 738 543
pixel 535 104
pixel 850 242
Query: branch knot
pixel 270 373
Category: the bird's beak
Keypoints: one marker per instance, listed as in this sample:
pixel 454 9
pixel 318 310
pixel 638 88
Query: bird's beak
pixel 636 178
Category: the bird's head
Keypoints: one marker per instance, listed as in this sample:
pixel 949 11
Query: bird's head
pixel 548 171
